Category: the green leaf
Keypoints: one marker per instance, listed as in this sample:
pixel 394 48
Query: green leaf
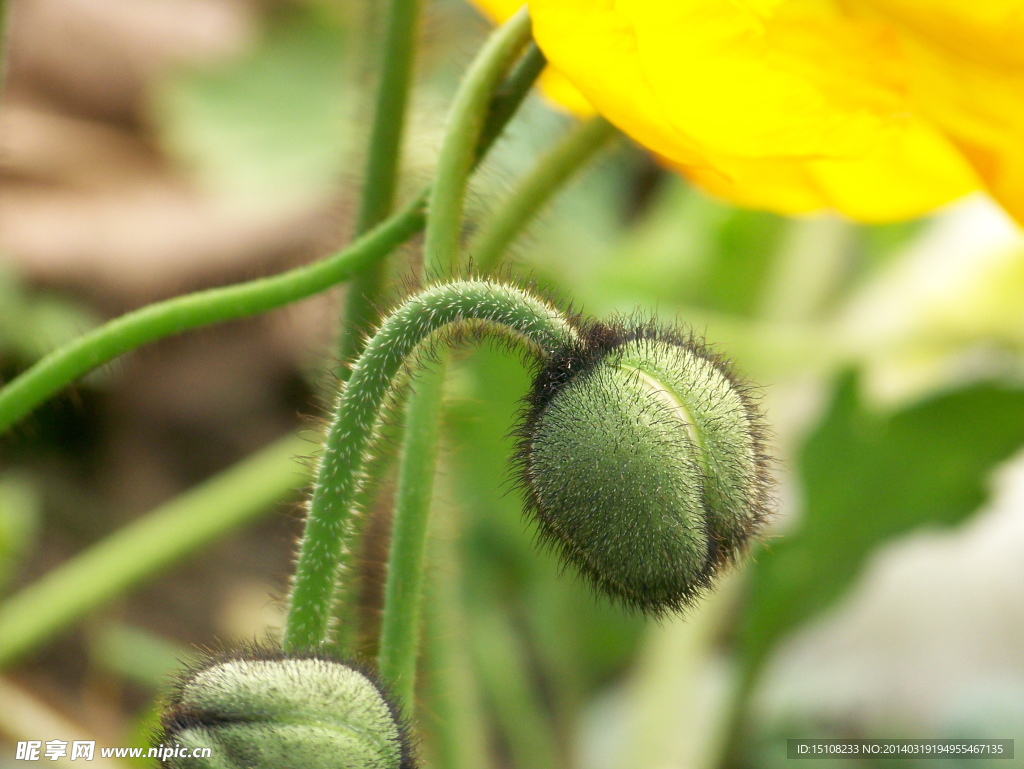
pixel 868 478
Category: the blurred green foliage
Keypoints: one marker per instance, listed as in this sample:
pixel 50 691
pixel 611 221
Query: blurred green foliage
pixel 32 323
pixel 271 125
pixel 927 465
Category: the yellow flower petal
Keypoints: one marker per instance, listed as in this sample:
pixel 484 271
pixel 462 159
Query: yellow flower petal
pixel 691 77
pixel 916 172
pixel 498 10
pixel 983 113
pixel 799 105
pixel 987 31
pixel 967 62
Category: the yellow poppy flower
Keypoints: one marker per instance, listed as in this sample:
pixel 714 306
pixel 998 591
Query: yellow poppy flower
pixel 880 109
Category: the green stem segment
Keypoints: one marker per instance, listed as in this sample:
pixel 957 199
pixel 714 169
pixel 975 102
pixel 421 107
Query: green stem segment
pixel 366 293
pixel 548 176
pixel 511 93
pixel 459 728
pixel 389 114
pixel 399 631
pixel 173 316
pixel 143 547
pixel 400 624
pixel 466 120
pixel 363 300
pixel 330 525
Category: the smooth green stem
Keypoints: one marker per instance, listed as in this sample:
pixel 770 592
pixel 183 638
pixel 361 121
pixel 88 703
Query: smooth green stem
pixel 400 622
pixel 462 134
pixel 173 316
pixel 330 526
pixel 415 483
pixel 459 730
pixel 735 740
pixel 362 312
pixel 467 120
pixel 399 628
pixel 147 545
pixel 533 191
pixel 366 292
pixel 399 639
pixel 668 718
pixel 389 114
pixel 362 304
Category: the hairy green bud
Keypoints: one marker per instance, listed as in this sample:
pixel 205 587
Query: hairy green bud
pixel 262 709
pixel 642 459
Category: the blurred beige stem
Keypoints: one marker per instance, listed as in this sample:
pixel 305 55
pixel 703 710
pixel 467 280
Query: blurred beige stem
pixel 808 268
pixel 675 698
pixel 505 674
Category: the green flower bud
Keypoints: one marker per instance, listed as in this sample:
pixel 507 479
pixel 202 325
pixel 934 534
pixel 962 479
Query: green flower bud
pixel 642 459
pixel 261 709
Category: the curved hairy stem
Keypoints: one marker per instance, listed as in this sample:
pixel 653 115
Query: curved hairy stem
pixel 173 316
pixel 536 188
pixel 466 121
pixel 329 526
